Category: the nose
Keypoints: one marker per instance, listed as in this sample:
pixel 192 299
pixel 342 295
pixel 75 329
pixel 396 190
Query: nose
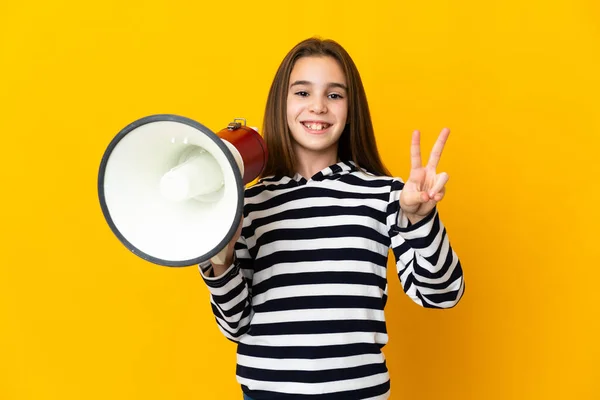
pixel 318 106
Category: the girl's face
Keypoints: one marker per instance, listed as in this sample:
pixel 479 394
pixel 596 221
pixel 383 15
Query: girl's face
pixel 317 105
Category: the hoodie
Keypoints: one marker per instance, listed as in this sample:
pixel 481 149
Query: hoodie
pixel 304 299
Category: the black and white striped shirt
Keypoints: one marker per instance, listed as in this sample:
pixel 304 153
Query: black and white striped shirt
pixel 305 299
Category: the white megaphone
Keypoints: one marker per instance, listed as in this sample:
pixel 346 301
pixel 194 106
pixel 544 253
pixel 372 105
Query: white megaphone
pixel 172 191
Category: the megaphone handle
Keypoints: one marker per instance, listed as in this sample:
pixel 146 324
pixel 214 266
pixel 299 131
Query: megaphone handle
pixel 221 257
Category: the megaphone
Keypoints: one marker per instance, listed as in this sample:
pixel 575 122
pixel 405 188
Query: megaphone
pixel 172 190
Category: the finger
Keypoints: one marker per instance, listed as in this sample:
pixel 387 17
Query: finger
pixel 415 150
pixel 438 147
pixel 417 178
pixel 440 181
pixel 439 195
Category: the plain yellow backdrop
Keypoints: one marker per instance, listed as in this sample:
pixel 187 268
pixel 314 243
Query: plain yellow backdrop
pixel 516 81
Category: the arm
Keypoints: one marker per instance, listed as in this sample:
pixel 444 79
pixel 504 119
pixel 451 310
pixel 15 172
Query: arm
pixel 230 287
pixel 428 268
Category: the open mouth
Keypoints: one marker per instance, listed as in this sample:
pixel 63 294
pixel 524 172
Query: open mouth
pixel 316 126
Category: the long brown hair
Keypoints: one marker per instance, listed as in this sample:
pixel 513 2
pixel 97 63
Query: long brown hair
pixel 357 142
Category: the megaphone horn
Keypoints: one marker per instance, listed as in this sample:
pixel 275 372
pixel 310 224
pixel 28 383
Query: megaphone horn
pixel 172 191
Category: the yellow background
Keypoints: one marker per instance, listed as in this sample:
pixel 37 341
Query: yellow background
pixel 516 81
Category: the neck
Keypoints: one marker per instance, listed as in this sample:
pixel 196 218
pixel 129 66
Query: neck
pixel 308 163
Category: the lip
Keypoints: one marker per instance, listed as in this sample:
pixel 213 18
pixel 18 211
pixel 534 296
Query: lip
pixel 315 122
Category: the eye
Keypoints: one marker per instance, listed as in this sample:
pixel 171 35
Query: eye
pixel 335 96
pixel 301 94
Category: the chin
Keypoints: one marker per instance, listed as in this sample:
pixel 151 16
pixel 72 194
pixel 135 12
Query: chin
pixel 316 148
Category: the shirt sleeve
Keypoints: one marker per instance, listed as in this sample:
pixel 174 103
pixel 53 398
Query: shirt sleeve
pixel 428 268
pixel 231 293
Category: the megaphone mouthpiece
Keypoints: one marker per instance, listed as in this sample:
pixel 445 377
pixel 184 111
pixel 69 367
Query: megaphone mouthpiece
pixel 197 174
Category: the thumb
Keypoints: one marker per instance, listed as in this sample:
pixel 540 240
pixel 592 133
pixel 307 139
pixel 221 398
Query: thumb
pixel 412 200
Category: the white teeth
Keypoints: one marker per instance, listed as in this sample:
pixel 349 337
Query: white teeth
pixel 316 126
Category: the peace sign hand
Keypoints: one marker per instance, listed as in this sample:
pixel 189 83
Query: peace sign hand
pixel 425 187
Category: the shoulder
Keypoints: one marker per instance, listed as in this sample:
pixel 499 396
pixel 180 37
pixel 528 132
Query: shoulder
pixel 268 184
pixel 368 179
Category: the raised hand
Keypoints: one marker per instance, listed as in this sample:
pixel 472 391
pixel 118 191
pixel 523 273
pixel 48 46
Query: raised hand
pixel 425 187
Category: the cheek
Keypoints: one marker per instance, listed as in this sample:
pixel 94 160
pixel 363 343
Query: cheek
pixel 341 111
pixel 291 109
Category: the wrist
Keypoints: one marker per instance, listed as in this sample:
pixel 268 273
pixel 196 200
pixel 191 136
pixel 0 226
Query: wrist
pixel 219 269
pixel 414 218
pixel 419 219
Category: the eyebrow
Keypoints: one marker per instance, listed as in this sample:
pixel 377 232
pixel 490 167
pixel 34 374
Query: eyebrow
pixel 329 85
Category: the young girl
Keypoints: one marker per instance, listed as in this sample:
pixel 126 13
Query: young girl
pixel 304 289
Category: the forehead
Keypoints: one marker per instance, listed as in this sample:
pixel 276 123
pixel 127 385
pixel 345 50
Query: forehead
pixel 318 70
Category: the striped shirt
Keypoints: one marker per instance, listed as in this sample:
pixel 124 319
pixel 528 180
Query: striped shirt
pixel 305 298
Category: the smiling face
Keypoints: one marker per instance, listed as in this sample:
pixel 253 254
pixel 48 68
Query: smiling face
pixel 317 106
